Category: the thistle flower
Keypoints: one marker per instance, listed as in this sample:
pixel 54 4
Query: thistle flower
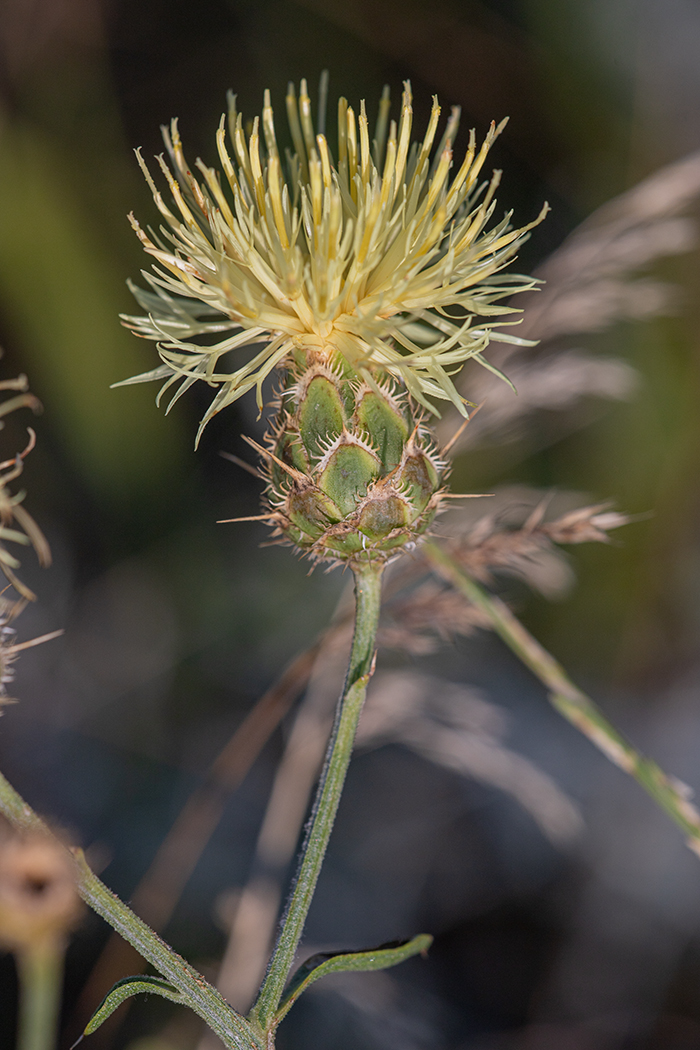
pixel 375 255
pixel 368 280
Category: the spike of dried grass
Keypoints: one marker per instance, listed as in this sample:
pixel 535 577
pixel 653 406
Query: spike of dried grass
pixel 488 546
pixel 590 280
pixel 432 614
pixel 590 283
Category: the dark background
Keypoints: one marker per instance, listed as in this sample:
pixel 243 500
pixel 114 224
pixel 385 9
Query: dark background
pixel 175 625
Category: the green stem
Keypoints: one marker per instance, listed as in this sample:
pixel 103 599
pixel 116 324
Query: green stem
pixel 367 603
pixel 40 970
pixel 570 701
pixel 233 1030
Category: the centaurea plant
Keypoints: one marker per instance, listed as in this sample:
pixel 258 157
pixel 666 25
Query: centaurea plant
pixel 364 280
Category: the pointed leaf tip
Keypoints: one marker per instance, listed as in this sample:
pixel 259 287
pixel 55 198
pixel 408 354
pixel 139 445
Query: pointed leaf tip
pixel 380 958
pixel 122 990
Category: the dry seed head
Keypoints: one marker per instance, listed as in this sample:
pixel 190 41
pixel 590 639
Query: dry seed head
pixel 373 253
pixel 39 900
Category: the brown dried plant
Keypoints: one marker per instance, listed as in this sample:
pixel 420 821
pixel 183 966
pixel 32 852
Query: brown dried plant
pixel 11 510
pixel 490 546
pixel 17 526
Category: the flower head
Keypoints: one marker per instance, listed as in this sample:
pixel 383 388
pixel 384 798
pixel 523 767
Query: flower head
pixel 381 253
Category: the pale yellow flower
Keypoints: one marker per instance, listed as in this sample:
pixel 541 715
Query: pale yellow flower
pixel 380 253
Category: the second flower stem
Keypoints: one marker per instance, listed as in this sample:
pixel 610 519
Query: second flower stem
pixel 40 968
pixel 233 1030
pixel 367 604
pixel 571 701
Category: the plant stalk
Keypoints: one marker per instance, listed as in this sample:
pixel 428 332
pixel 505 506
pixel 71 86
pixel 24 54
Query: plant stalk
pixel 367 605
pixel 233 1030
pixel 572 702
pixel 40 971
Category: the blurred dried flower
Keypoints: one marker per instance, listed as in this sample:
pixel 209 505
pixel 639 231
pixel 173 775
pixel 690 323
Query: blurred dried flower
pixel 488 545
pixel 585 525
pixel 554 382
pixel 39 901
pixel 431 614
pixel 590 280
pixel 418 614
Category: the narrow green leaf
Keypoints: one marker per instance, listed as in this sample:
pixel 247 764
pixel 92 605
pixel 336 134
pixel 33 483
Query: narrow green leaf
pixel 320 965
pixel 123 990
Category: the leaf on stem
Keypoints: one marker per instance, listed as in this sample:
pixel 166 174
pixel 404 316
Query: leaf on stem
pixel 125 988
pixel 320 965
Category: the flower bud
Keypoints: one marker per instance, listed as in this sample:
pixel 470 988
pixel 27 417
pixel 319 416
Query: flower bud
pixel 353 473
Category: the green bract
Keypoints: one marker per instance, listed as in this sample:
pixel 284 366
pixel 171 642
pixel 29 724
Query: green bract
pixel 353 472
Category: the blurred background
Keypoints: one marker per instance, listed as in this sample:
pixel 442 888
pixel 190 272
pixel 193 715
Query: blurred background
pixel 573 931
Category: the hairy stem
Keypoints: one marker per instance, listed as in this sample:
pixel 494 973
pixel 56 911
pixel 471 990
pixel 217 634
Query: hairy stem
pixel 233 1030
pixel 570 701
pixel 367 604
pixel 157 894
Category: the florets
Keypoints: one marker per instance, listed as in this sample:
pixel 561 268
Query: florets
pixel 374 253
